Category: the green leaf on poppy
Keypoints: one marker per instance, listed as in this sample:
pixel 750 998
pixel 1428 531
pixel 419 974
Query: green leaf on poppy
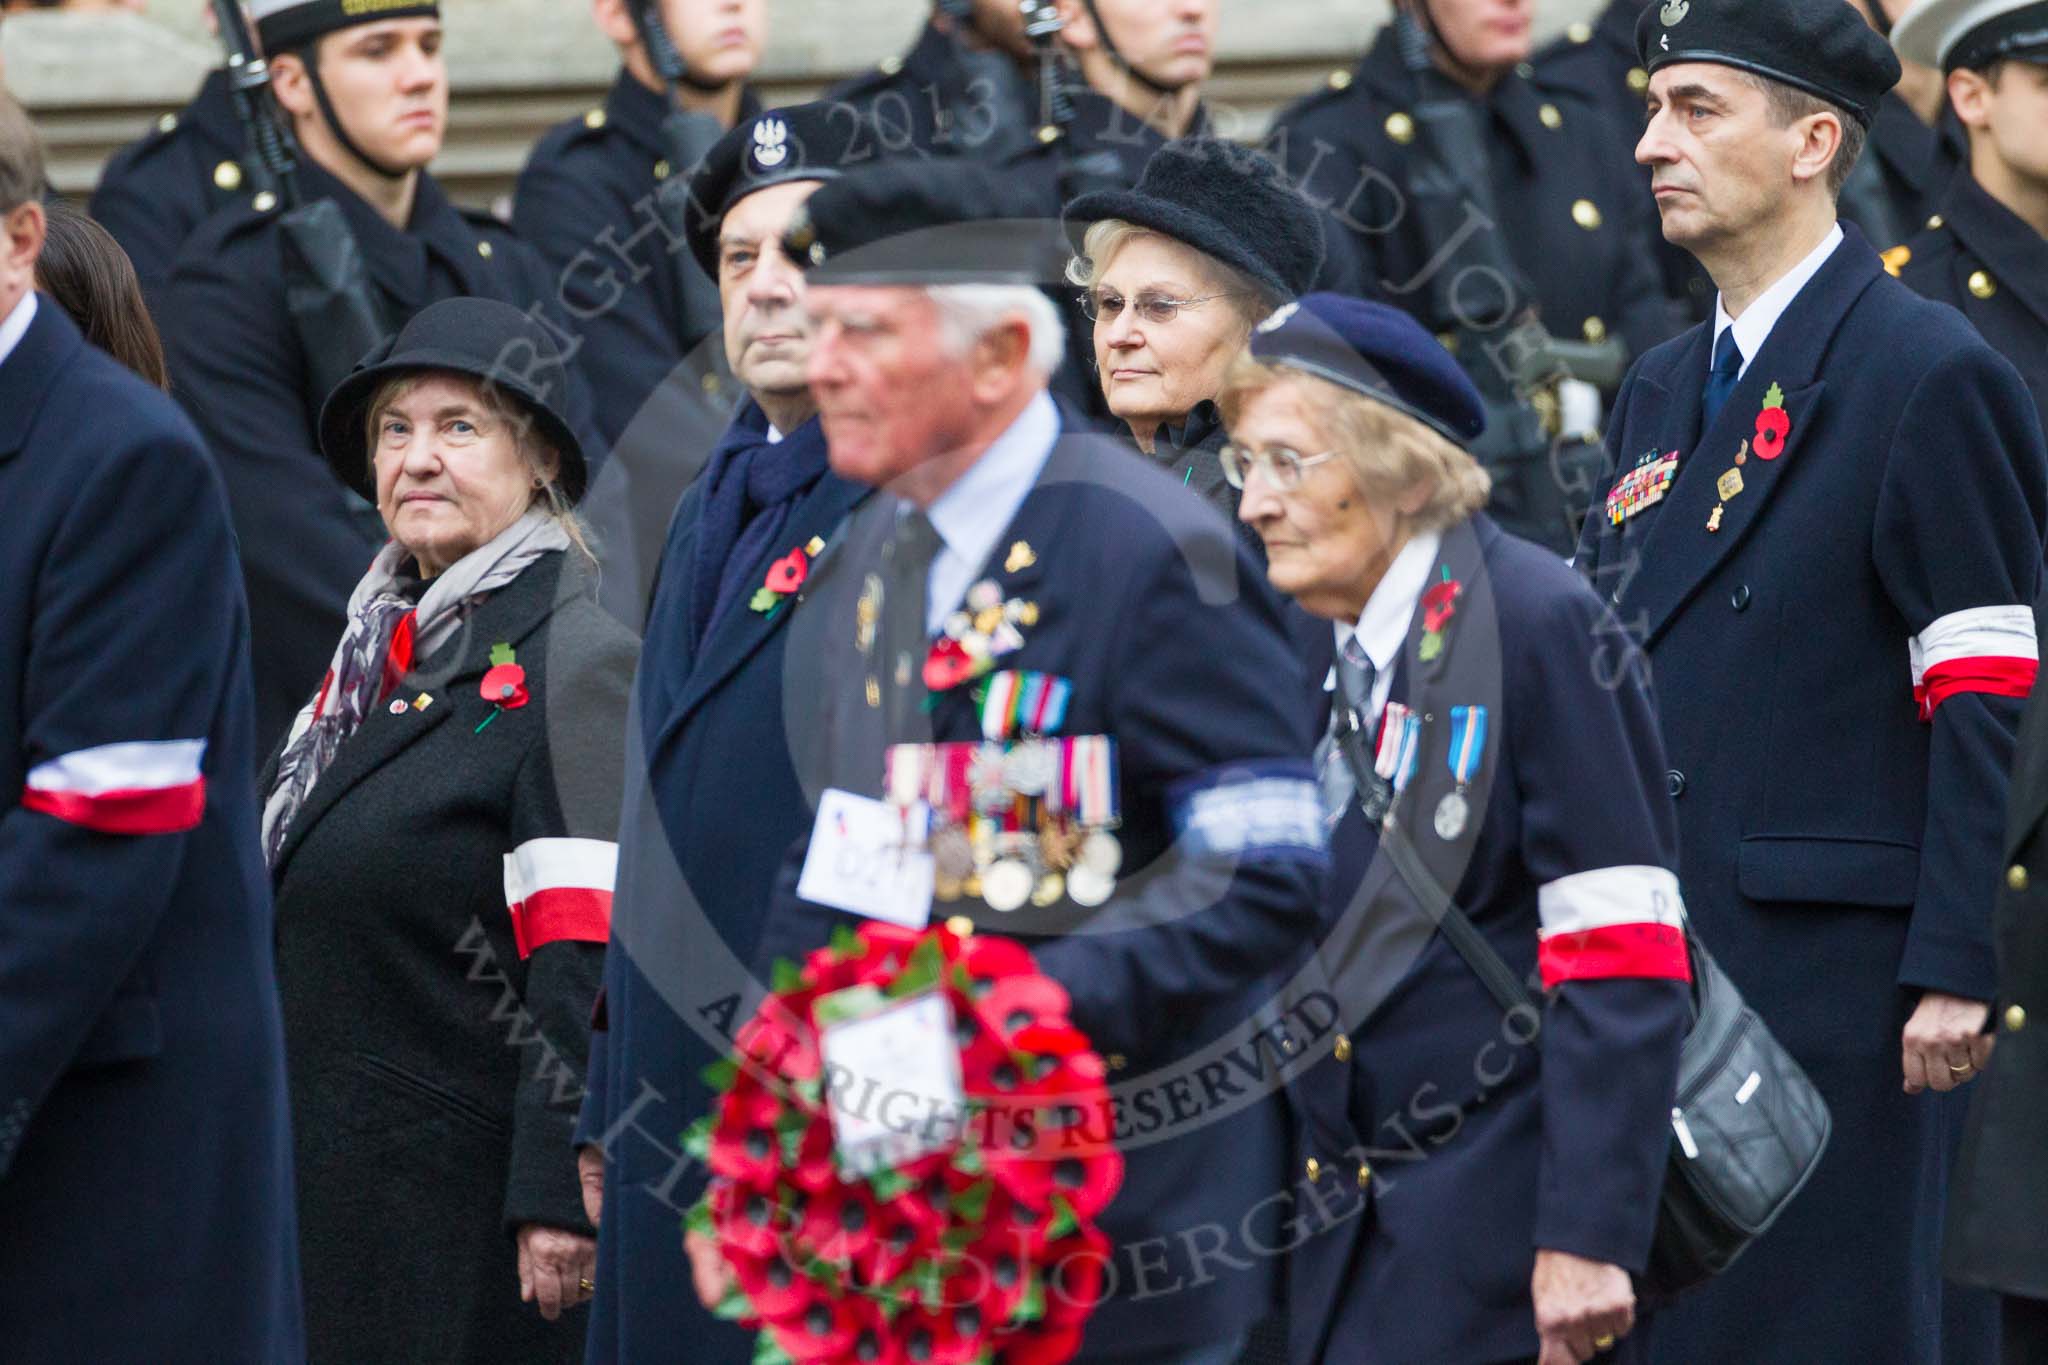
pixel 766 1352
pixel 1064 1224
pixel 845 941
pixel 971 1204
pixel 792 1120
pixel 958 1239
pixel 968 1160
pixel 931 1283
pixel 734 1306
pixel 1432 645
pixel 785 976
pixel 792 1145
pixel 1774 397
pixel 697 1138
pixel 698 1219
pixel 888 1184
pixel 503 653
pixel 811 1091
pixel 1031 1307
pixel 720 1075
pixel 764 599
pixel 925 969
pixel 855 1002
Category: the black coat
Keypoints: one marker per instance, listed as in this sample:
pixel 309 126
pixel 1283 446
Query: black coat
pixel 1999 1203
pixel 436 1071
pixel 1893 188
pixel 239 368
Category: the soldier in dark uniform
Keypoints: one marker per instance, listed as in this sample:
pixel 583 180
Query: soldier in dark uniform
pixel 155 191
pixel 1913 148
pixel 1830 564
pixel 967 87
pixel 367 96
pixel 1986 247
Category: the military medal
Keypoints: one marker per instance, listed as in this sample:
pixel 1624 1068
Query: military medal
pixel 398 707
pixel 1006 885
pixel 1100 855
pixel 1468 746
pixel 1642 487
pixel 1089 889
pixel 952 854
pixel 1729 484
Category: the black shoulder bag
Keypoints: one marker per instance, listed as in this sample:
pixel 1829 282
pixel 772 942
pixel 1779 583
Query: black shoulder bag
pixel 1748 1127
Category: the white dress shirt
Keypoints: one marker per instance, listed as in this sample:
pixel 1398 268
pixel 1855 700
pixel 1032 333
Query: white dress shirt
pixel 1382 627
pixel 16 325
pixel 972 515
pixel 1753 328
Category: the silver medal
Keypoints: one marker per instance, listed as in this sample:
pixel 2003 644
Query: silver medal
pixel 1451 815
pixel 1087 887
pixel 1101 855
pixel 1029 768
pixel 1006 885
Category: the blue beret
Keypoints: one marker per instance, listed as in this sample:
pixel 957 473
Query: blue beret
pixel 800 142
pixel 943 221
pixel 1823 47
pixel 1378 351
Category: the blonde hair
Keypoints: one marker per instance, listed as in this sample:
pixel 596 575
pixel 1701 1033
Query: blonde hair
pixel 538 454
pixel 1104 239
pixel 1389 452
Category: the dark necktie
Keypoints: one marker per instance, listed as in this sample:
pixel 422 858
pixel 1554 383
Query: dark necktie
pixel 1349 710
pixel 1721 380
pixel 906 569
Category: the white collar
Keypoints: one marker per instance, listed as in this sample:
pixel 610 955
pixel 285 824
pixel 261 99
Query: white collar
pixel 972 515
pixel 1753 328
pixel 1382 627
pixel 774 435
pixel 15 326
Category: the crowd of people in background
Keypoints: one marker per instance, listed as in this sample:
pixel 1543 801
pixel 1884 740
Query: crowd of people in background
pixel 1530 516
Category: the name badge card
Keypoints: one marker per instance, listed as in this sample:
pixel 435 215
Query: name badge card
pixel 892 1074
pixel 870 858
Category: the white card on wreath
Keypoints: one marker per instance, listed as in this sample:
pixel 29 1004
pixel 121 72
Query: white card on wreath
pixel 869 858
pixel 893 1083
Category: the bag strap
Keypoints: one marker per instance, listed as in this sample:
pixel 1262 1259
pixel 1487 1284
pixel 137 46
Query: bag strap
pixel 1492 969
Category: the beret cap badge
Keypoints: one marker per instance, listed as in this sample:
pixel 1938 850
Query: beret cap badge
pixel 1674 11
pixel 771 143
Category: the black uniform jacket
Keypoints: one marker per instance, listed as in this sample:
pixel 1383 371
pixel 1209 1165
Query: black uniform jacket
pixel 1984 259
pixel 438 1052
pixel 238 367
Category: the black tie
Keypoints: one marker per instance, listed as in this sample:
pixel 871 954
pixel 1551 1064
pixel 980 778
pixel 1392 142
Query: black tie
pixel 906 568
pixel 1721 381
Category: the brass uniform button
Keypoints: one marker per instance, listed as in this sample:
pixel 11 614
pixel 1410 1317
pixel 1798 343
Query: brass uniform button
pixel 1550 117
pixel 1448 340
pixel 1116 1061
pixel 661 169
pixel 264 201
pixel 1315 1170
pixel 228 176
pixel 1049 133
pixel 1364 1176
pixel 594 119
pixel 1595 330
pixel 1580 33
pixel 1935 222
pixel 483 249
pixel 1525 71
pixel 2015 1018
pixel 2016 877
pixel 711 384
pixel 1982 285
pixel 890 66
pixel 1339 80
pixel 1343 1048
pixel 961 926
pixel 1638 80
pixel 1586 214
pixel 1400 127
pixel 167 124
pixel 1896 259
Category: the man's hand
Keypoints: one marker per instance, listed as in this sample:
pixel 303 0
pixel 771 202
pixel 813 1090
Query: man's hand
pixel 1582 1306
pixel 552 1264
pixel 708 1270
pixel 590 1171
pixel 1945 1044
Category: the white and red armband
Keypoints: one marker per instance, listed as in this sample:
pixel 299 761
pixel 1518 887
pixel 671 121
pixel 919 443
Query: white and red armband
pixel 139 787
pixel 1612 922
pixel 1991 650
pixel 558 889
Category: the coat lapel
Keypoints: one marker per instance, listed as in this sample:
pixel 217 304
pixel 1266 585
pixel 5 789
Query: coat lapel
pixel 1677 545
pixel 510 615
pixel 26 375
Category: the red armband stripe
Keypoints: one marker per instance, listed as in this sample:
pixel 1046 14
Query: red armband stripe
pixel 135 787
pixel 164 810
pixel 1996 677
pixel 571 913
pixel 1655 951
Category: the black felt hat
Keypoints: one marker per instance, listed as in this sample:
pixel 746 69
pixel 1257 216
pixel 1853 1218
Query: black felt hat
pixel 944 221
pixel 801 142
pixel 1226 201
pixel 480 338
pixel 1823 47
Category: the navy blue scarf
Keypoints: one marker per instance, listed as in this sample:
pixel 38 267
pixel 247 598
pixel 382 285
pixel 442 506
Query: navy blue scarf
pixel 749 488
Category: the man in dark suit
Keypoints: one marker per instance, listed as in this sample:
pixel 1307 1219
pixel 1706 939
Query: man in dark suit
pixel 713 799
pixel 1829 563
pixel 1076 571
pixel 1986 251
pixel 145 1151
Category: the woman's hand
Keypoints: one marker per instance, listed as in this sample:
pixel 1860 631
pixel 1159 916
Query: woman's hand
pixel 553 1264
pixel 708 1270
pixel 1582 1307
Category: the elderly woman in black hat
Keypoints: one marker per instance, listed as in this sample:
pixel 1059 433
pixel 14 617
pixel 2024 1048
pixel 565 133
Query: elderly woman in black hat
pixel 1174 273
pixel 440 827
pixel 1508 1162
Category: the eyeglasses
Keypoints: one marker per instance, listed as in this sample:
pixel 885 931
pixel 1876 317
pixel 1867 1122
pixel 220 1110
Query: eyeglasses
pixel 1281 466
pixel 1158 309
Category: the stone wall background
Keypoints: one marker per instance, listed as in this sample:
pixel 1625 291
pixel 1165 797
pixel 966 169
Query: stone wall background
pixel 94 81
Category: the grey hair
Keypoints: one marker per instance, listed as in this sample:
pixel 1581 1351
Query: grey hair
pixel 969 312
pixel 1788 105
pixel 1253 301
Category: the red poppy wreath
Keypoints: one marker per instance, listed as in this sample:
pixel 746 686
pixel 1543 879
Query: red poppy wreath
pixel 972 1240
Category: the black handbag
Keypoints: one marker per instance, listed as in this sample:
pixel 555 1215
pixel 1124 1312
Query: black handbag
pixel 1748 1127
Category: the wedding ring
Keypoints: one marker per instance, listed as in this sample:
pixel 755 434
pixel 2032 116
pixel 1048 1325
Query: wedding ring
pixel 1605 1343
pixel 1955 1070
pixel 586 1286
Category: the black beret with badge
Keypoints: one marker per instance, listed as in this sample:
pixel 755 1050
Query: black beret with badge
pixel 1823 47
pixel 775 147
pixel 943 221
pixel 1969 35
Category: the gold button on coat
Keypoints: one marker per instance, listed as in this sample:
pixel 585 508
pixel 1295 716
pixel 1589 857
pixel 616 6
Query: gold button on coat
pixel 167 124
pixel 264 202
pixel 661 169
pixel 1580 33
pixel 1400 127
pixel 1550 116
pixel 1982 285
pixel 1934 222
pixel 891 65
pixel 2016 877
pixel 1343 1048
pixel 1315 1170
pixel 228 176
pixel 2015 1018
pixel 1638 80
pixel 1364 1176
pixel 483 249
pixel 1595 330
pixel 1340 80
pixel 1586 214
pixel 594 119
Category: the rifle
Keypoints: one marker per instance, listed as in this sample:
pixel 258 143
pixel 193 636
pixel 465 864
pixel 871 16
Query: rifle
pixel 1540 482
pixel 1078 175
pixel 327 286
